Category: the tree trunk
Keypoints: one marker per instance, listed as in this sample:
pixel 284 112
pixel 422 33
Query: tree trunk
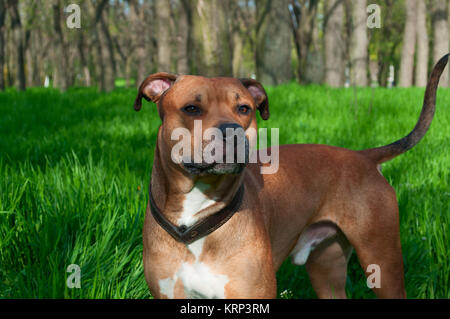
pixel 237 42
pixel 137 25
pixel 99 61
pixel 273 37
pixel 440 36
pixel 237 54
pixel 212 38
pixel 151 45
pixel 107 54
pixel 360 43
pixel 2 44
pixel 334 43
pixel 304 28
pixel 96 61
pixel 61 66
pixel 83 60
pixel 30 70
pixel 409 44
pixel 422 45
pixel 164 40
pixel 103 55
pixel 9 58
pixel 183 36
pixel 19 42
pixel 84 47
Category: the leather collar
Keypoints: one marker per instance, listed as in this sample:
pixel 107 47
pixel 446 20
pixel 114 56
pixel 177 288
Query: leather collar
pixel 204 227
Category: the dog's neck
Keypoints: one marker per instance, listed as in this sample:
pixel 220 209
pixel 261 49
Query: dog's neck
pixel 185 199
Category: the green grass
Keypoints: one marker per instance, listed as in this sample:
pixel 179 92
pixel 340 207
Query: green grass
pixel 74 170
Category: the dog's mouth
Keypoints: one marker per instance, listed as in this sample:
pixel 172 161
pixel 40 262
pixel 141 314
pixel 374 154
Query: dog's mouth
pixel 235 166
pixel 231 160
pixel 214 168
pixel 197 168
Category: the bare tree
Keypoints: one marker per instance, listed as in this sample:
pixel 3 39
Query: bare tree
pixel 440 35
pixel 359 44
pixel 273 36
pixel 333 43
pixel 422 45
pixel 19 42
pixel 409 44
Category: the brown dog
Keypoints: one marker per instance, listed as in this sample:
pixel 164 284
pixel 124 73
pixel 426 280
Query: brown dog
pixel 221 230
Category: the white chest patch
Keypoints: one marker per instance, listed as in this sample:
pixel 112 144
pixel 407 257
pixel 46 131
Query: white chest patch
pixel 199 281
pixel 195 201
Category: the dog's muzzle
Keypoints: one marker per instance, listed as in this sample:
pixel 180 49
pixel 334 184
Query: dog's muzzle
pixel 235 153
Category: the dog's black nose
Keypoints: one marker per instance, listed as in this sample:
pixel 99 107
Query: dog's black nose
pixel 223 128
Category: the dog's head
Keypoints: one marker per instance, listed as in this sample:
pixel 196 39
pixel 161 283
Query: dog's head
pixel 207 123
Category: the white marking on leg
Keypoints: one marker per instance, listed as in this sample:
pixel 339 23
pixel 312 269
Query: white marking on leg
pixel 195 201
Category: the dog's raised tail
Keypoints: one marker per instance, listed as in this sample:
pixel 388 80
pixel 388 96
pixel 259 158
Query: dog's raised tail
pixel 388 152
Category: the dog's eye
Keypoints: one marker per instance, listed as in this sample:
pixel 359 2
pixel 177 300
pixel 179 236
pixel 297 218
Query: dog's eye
pixel 244 109
pixel 192 109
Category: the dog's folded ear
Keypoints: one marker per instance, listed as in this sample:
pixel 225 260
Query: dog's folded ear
pixel 259 95
pixel 153 87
